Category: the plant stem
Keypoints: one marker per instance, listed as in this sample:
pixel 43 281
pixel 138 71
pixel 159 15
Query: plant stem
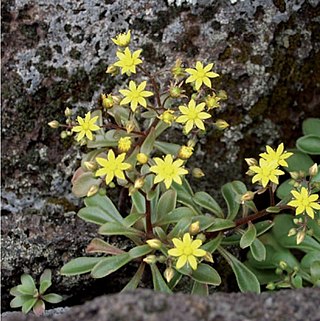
pixel 148 219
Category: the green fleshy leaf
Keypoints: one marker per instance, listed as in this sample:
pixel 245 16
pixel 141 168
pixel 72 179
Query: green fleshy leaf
pixel 249 236
pixel 100 246
pixel 109 265
pixel 139 251
pixel 149 114
pixel 82 182
pixel 45 281
pixel 206 274
pixel 134 282
pixel 232 193
pixel 200 289
pixel 18 301
pixel 159 283
pixel 246 280
pixel 309 144
pixel 132 218
pixel 106 205
pixel 176 215
pixel 80 265
pixel 308 259
pixel 311 126
pixel 167 148
pixel 298 162
pixel 208 202
pixel 315 271
pixel 213 244
pixel 39 308
pixel 14 291
pixel 297 282
pixel 52 298
pixel 258 250
pixel 166 204
pixel 139 202
pixel 284 190
pixel 180 228
pixel 113 228
pixel 94 214
pixel 148 143
pixel 104 140
pixel 220 224
pixel 28 282
pixel 28 305
pixel 160 128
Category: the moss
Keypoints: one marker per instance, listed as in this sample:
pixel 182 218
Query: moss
pixel 259 108
pixel 62 201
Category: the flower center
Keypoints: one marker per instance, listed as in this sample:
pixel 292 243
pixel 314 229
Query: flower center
pixel 187 250
pixel 169 171
pixel 192 114
pixel 85 126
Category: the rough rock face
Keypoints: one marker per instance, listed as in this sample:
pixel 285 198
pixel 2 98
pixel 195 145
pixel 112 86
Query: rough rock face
pixel 145 305
pixel 54 55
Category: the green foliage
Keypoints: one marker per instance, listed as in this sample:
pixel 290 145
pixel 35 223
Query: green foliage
pixel 175 230
pixel 28 297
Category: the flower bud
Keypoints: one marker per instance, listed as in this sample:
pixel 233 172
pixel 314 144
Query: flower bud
pixel 185 152
pixel 68 112
pixel 154 244
pixel 63 134
pixel 221 124
pixel 250 172
pixel 177 70
pixel 90 166
pixel 194 228
pixel 212 101
pixel 132 190
pixel 300 237
pixel 251 161
pixel 222 94
pixel 201 237
pixel 124 144
pixel 271 286
pixel 130 126
pixel 247 196
pixel 93 190
pixel 175 91
pixel 168 274
pixel 112 185
pixel 102 191
pixel 150 259
pixel 168 116
pixel 54 124
pixel 283 265
pixel 310 232
pixel 107 101
pixel 139 182
pixel 294 175
pixel 122 39
pixel 161 259
pixel 208 257
pixel 113 70
pixel 197 172
pixel 313 170
pixel 292 232
pixel 278 271
pixel 142 158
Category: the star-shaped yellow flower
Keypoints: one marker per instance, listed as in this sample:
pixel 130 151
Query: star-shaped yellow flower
pixel 278 156
pixel 168 170
pixel 122 39
pixel 86 126
pixel 193 115
pixel 201 75
pixel 127 61
pixel 304 202
pixel 112 166
pixel 187 250
pixel 265 172
pixel 135 95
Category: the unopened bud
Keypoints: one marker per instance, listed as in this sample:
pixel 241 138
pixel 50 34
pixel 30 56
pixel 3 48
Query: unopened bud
pixel 313 170
pixel 132 190
pixel 250 172
pixel 271 286
pixel 221 124
pixel 68 112
pixel 283 265
pixel 292 232
pixel 113 70
pixel 112 185
pixel 139 182
pixel 212 101
pixel 279 271
pixel 310 232
pixel 150 259
pixel 197 172
pixel 168 274
pixel 90 166
pixel 168 116
pixel 201 237
pixel 222 94
pixel 194 228
pixel 107 101
pixel 175 92
pixel 177 70
pixel 54 124
pixel 248 196
pixel 185 152
pixel 130 126
pixel 208 257
pixel 300 237
pixel 296 221
pixel 93 190
pixel 251 161
pixel 63 134
pixel 294 175
pixel 142 158
pixel 102 191
pixel 154 244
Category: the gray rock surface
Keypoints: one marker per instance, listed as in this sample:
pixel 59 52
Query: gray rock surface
pixel 144 305
pixel 54 55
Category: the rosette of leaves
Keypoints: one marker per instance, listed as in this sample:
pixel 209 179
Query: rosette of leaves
pixel 28 297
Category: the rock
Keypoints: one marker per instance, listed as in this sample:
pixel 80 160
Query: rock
pixel 285 305
pixel 54 56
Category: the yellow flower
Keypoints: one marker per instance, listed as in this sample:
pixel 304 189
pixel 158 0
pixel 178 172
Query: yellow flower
pixel 127 61
pixel 187 250
pixel 135 95
pixel 122 39
pixel 168 116
pixel 168 170
pixel 142 158
pixel 193 115
pixel 86 126
pixel 201 75
pixel 124 144
pixel 212 101
pixel 265 172
pixel 278 156
pixel 304 202
pixel 112 166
